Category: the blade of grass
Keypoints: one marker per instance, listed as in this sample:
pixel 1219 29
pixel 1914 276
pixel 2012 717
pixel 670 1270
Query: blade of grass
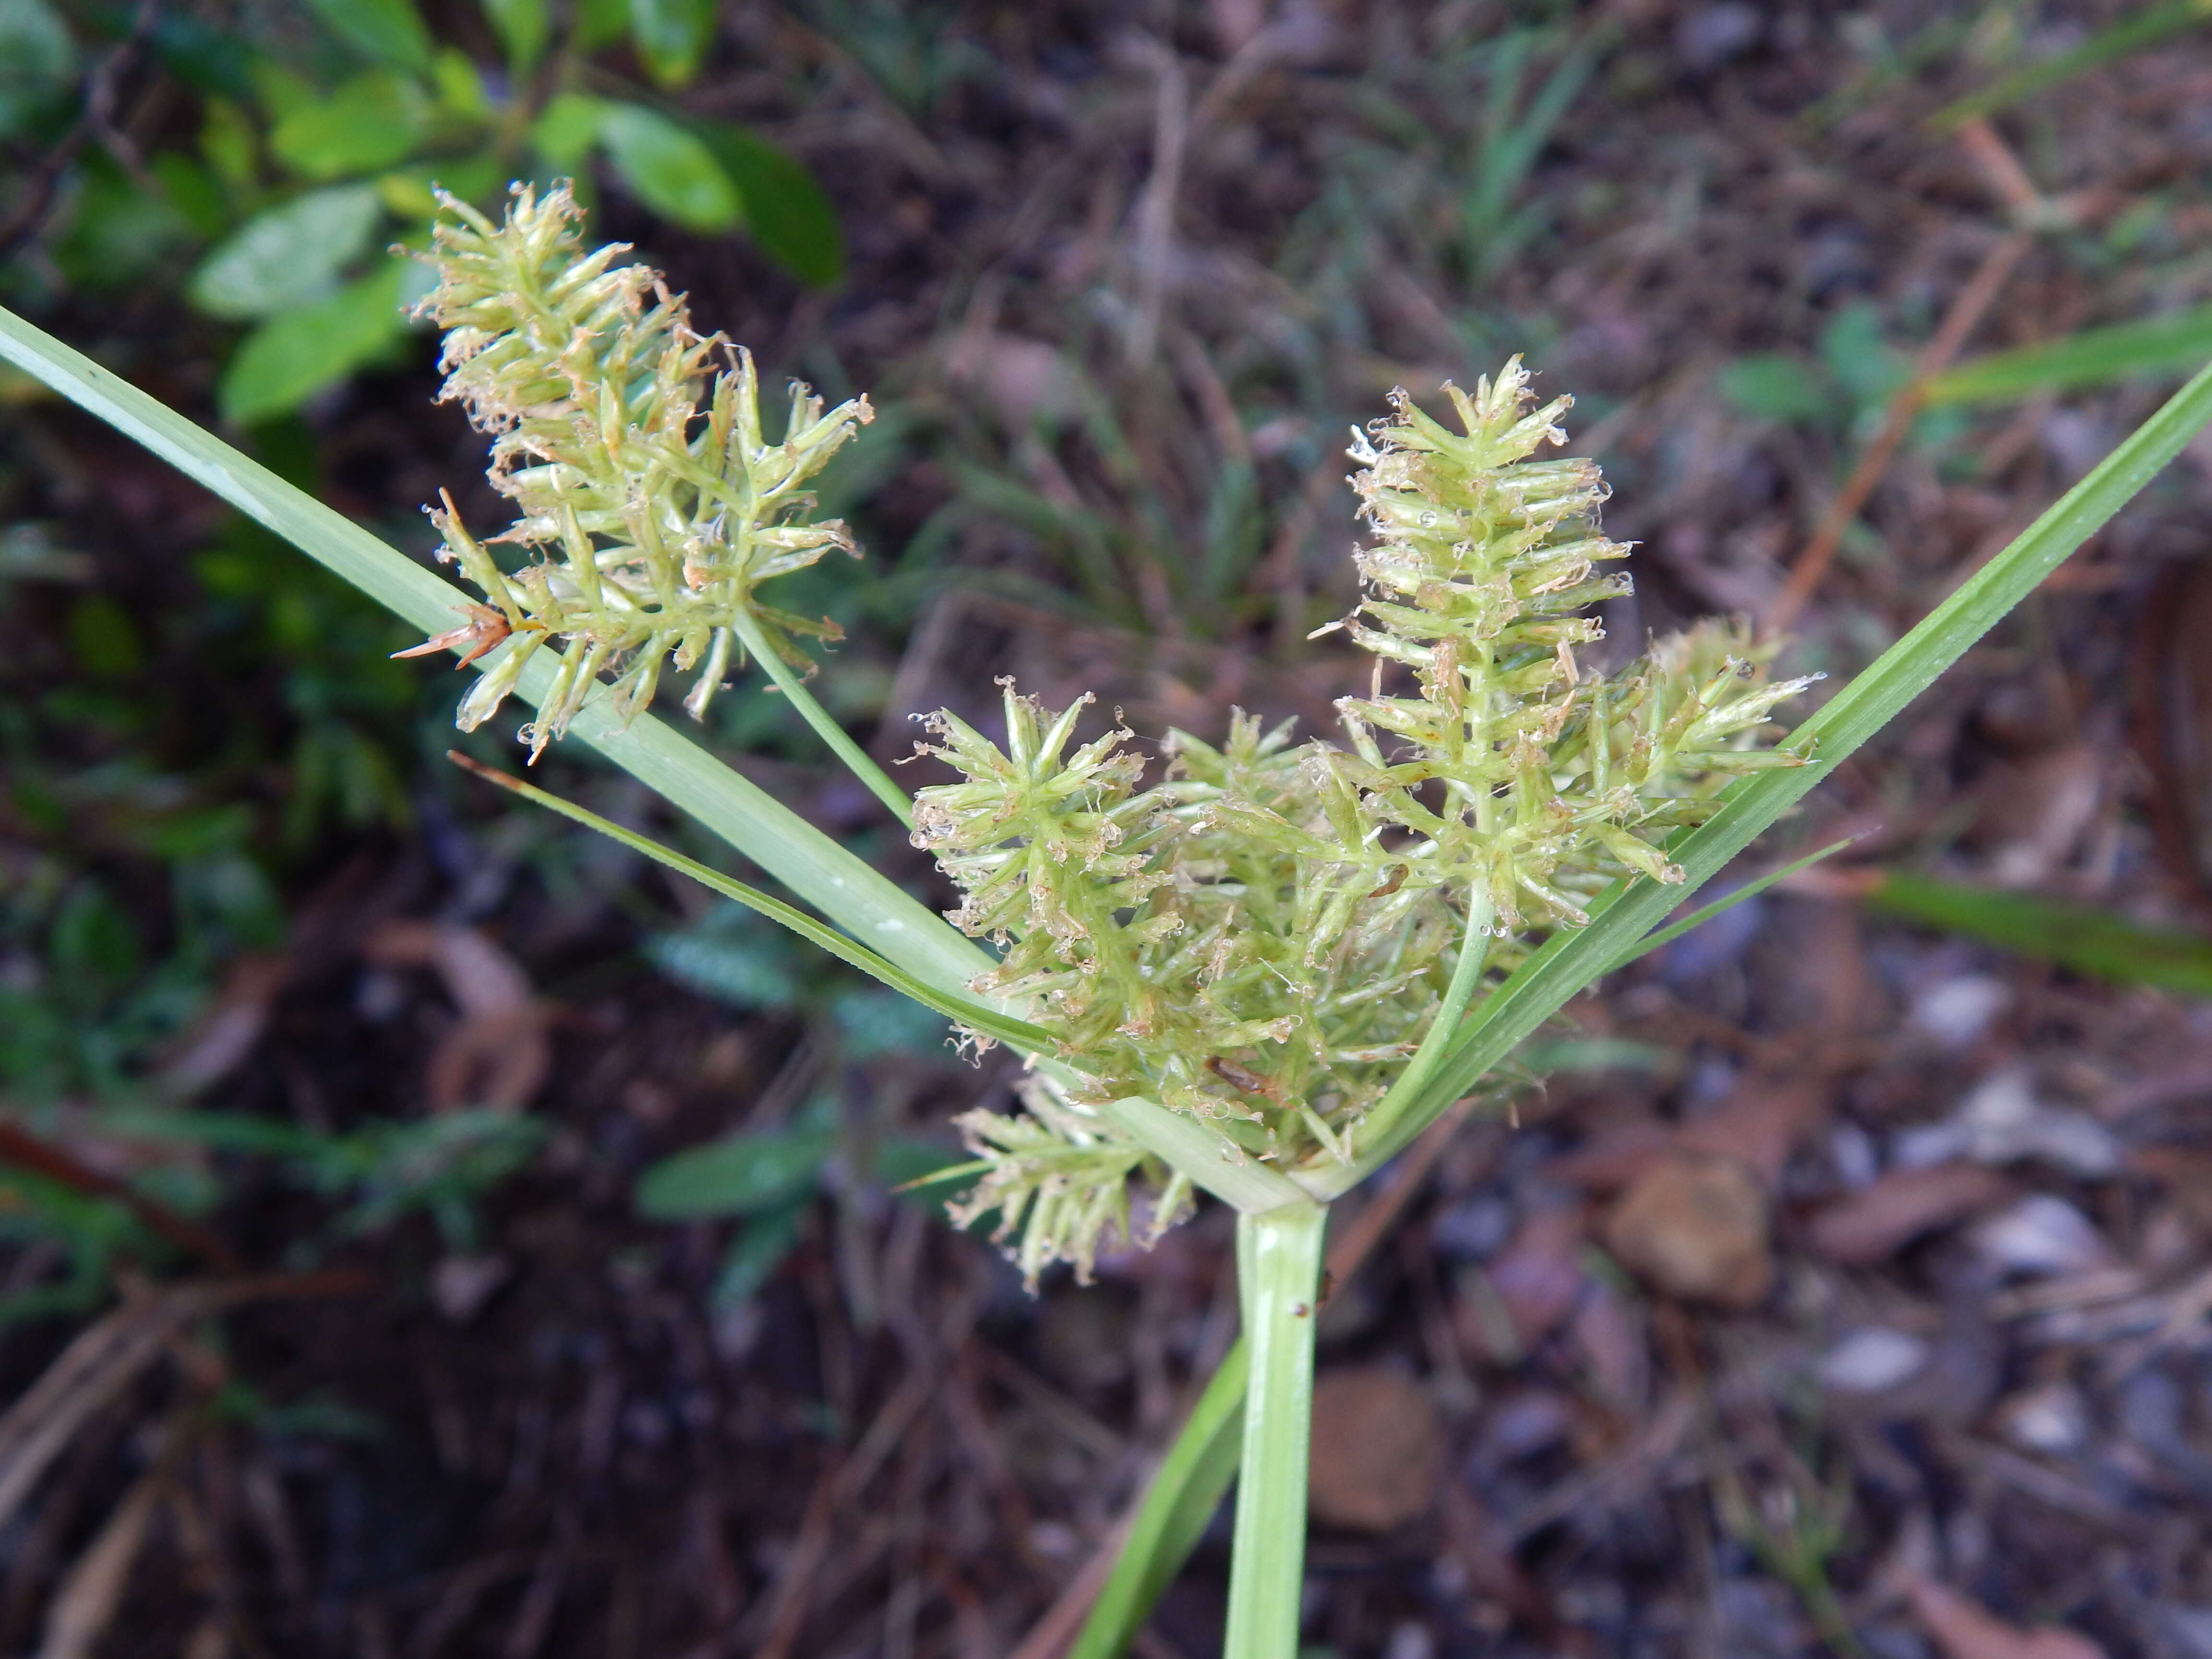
pixel 1019 1034
pixel 2130 34
pixel 1184 1492
pixel 1185 1145
pixel 2077 936
pixel 1698 918
pixel 1570 960
pixel 858 898
pixel 857 760
pixel 1436 1042
pixel 842 885
pixel 2095 356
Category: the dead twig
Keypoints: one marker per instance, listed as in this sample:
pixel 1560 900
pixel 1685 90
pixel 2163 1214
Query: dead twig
pixel 26 1150
pixel 1967 311
pixel 109 1355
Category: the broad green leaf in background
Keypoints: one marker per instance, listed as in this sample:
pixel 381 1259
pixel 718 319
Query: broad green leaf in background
pixel 668 169
pixel 119 234
pixel 388 31
pixel 672 37
pixel 787 213
pixel 296 353
pixel 192 189
pixel 873 1020
pixel 412 192
pixel 209 58
pixel 38 61
pixel 742 1176
pixel 599 23
pixel 732 955
pixel 2077 936
pixel 280 89
pixel 289 256
pixel 1858 359
pixel 229 145
pixel 1773 385
pixel 372 121
pixel 2095 356
pixel 522 28
pixel 567 128
pixel 759 1248
pixel 461 89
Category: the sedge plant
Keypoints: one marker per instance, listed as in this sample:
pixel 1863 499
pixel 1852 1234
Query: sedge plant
pixel 1257 975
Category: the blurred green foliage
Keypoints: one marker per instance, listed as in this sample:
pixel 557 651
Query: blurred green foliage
pixel 322 135
pixel 144 841
pixel 766 1180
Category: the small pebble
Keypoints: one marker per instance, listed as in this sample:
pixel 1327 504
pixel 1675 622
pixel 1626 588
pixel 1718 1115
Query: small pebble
pixel 2040 1235
pixel 1871 1360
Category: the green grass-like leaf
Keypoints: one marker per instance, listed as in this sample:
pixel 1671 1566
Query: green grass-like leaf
pixel 2076 936
pixel 1570 960
pixel 842 886
pixel 2095 356
pixel 2130 34
pixel 1178 1503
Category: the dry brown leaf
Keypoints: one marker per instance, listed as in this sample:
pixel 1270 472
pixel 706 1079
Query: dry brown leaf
pixel 1377 1449
pixel 1539 1278
pixel 1873 1225
pixel 222 1038
pixel 1694 1226
pixel 1758 1126
pixel 2036 813
pixel 1760 1123
pixel 1964 1629
pixel 2185 1172
pixel 1614 1156
pixel 500 1053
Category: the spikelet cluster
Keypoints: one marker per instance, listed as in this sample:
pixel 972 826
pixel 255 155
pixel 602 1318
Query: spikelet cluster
pixel 1262 938
pixel 651 508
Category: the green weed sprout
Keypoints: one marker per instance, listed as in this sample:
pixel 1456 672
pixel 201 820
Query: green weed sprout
pixel 1263 975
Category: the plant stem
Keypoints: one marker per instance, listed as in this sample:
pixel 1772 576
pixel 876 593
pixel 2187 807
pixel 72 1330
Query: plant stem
pixel 1177 1504
pixel 1437 1041
pixel 840 744
pixel 1278 1273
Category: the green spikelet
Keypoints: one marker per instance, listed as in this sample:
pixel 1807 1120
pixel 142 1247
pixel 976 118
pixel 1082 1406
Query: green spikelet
pixel 650 528
pixel 1262 939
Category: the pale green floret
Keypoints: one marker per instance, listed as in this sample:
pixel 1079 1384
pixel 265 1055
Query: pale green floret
pixel 1262 939
pixel 652 527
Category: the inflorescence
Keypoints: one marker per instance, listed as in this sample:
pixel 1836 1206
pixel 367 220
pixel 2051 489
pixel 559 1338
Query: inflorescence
pixel 1261 937
pixel 650 527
